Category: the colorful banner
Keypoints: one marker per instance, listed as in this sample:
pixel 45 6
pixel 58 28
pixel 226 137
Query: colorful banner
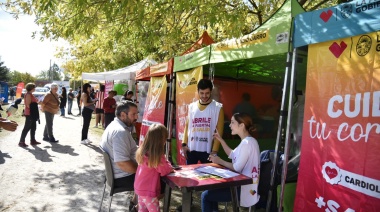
pixel 339 168
pixel 20 86
pixel 341 21
pixel 186 93
pixel 154 111
pixel 109 87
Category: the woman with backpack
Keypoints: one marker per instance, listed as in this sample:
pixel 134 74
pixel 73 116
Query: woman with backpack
pixel 31 116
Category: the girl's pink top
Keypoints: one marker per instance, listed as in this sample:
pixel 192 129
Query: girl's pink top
pixel 147 180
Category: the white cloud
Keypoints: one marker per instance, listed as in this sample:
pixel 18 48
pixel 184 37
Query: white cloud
pixel 19 51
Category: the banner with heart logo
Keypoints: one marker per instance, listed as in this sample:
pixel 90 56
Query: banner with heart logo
pixel 339 168
pixel 154 110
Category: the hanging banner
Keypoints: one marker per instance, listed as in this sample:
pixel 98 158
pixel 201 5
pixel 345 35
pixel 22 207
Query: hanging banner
pixel 20 86
pixel 109 87
pixel 339 168
pixel 186 93
pixel 154 111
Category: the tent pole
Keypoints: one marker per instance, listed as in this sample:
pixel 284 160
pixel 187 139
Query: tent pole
pixel 281 122
pixel 170 113
pixel 288 125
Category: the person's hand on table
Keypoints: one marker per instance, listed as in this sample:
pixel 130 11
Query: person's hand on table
pixel 214 158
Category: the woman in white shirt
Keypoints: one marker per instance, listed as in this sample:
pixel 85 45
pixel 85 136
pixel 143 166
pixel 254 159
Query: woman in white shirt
pixel 245 160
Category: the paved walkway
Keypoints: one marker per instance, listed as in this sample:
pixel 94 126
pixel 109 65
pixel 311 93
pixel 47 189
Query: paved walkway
pixel 64 176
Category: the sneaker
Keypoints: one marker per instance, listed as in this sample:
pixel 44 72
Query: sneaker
pixel 88 141
pixel 34 142
pixel 52 140
pixel 85 141
pixel 45 139
pixel 22 144
pixel 96 126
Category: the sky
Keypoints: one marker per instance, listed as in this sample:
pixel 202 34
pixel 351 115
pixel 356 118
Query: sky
pixel 19 51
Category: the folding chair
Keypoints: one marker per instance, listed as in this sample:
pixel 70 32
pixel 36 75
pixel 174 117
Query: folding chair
pixel 109 181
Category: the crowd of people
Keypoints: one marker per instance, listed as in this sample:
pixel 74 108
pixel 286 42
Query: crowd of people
pixel 141 167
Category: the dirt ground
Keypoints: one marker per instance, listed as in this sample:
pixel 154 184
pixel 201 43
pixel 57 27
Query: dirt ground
pixel 64 176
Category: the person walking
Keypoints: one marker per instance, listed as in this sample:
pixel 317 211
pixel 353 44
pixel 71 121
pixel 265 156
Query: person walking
pixel 12 93
pixel 245 160
pixel 31 114
pixel 109 107
pixel 118 142
pixel 50 106
pixel 204 117
pixel 152 164
pixel 88 108
pixel 70 98
pixel 78 96
pixel 99 111
pixel 63 99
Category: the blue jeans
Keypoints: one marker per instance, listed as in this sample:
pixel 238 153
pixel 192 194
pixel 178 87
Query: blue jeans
pixel 69 106
pixel 210 198
pixel 62 111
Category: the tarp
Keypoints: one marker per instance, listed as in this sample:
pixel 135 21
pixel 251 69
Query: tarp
pixel 166 68
pixel 125 73
pixel 342 21
pixel 259 56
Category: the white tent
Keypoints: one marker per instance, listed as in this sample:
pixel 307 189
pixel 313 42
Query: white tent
pixel 125 73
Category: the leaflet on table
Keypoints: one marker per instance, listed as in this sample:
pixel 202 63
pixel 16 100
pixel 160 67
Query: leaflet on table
pixel 225 173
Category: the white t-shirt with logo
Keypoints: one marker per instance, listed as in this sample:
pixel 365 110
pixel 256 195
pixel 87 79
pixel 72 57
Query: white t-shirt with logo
pixel 202 125
pixel 246 160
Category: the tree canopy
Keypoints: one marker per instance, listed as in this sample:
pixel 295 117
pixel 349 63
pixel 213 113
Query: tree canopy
pixel 4 72
pixel 106 35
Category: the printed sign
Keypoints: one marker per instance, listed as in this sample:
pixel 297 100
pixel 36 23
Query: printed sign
pixel 339 168
pixel 154 111
pixel 186 93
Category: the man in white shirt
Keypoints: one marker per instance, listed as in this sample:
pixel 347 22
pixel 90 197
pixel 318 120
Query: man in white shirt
pixel 205 116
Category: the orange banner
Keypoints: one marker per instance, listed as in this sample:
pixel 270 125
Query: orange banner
pixel 186 93
pixel 339 168
pixel 20 86
pixel 154 111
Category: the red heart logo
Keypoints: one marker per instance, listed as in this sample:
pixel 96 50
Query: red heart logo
pixel 325 16
pixel 331 172
pixel 336 49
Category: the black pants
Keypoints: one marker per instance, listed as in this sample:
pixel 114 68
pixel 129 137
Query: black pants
pixel 125 182
pixel 194 156
pixel 78 101
pixel 29 125
pixel 86 114
pixel 108 118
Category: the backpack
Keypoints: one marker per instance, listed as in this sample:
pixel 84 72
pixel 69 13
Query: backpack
pixel 266 165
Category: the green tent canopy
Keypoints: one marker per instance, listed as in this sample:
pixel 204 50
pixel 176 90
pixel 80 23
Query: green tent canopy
pixel 259 56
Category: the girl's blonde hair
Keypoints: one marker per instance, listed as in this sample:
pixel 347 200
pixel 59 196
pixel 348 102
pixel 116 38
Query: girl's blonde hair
pixel 153 146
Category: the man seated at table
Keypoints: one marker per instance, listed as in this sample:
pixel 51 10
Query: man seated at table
pixel 118 142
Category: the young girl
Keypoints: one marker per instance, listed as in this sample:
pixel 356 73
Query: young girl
pixel 245 160
pixel 151 165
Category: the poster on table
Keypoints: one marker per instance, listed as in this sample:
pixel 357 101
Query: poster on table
pixel 154 111
pixel 339 168
pixel 186 93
